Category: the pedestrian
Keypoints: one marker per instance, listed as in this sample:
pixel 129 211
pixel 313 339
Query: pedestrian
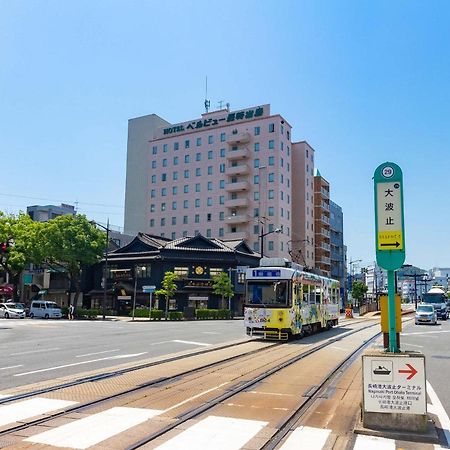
pixel 71 312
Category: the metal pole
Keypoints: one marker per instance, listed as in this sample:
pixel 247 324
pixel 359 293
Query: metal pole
pixel 134 296
pixel 415 289
pixel 229 295
pixel 391 312
pixel 105 279
pixel 150 307
pixel 262 240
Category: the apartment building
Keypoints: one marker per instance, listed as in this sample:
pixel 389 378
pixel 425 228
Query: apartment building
pixel 234 175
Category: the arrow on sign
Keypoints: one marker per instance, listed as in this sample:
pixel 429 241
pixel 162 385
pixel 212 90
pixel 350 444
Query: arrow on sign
pixel 411 371
pixel 390 244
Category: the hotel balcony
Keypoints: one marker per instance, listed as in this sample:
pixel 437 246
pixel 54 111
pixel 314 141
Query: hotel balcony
pixel 236 203
pixel 324 219
pixel 323 260
pixel 324 247
pixel 322 233
pixel 238 138
pixel 241 169
pixel 241 153
pixel 238 186
pixel 238 235
pixel 238 218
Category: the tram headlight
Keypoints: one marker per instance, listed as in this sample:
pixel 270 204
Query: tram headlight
pixel 280 316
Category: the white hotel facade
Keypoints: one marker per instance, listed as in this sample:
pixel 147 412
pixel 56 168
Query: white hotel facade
pixel 232 175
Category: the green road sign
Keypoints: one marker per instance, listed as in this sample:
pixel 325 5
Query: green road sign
pixel 389 217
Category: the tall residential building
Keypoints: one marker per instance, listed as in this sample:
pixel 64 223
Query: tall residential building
pixel 322 223
pixel 337 250
pixel 43 213
pixel 229 175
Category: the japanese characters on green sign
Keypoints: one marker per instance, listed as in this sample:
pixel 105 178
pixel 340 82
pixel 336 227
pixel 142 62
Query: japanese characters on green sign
pixel 231 117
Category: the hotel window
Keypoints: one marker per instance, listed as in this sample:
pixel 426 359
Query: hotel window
pixel 271 127
pixel 255 229
pixel 282 162
pixel 153 179
pixel 175 175
pixel 222 137
pixel 197 187
pixel 282 212
pixel 307 154
pixel 197 203
pixel 163 221
pixel 153 164
pixel 186 189
pixel 197 218
pixel 185 220
pixel 163 206
pixel 271 227
pixel 271 145
pixel 288 199
pixel 282 195
pixel 174 206
pixel 256 212
pixel 256 163
pixel 174 220
pixel 270 245
pixel 222 168
pixel 256 146
pixel 221 232
pixel 198 172
pixel 210 170
pixel 210 154
pixel 198 156
pixel 256 195
pixel 163 192
pixel 208 232
pixel 222 152
pixel 176 145
pixel 281 179
pixel 163 177
pixel 152 193
pixel 210 139
pixel 288 167
pixel 256 179
pixel 152 207
pixel 186 143
pixel 175 160
pixel 270 194
pixel 256 246
pixel 222 184
pixel 288 150
pixel 208 217
pixel 288 214
pixel 288 183
pixel 271 160
pixel 257 131
pixel 209 201
pixel 165 148
pixel 288 134
pixel 186 158
pixel 174 190
pixel 282 129
pixel 152 222
pixel 155 149
pixel 186 173
pixel 222 200
pixel 234 196
pixel 221 215
pixel 185 233
pixel 173 235
pixel 271 211
pixel 210 186
pixel 199 141
pixel 186 204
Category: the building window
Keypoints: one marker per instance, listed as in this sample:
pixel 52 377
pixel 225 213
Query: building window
pixel 198 172
pixel 222 153
pixel 222 184
pixel 197 218
pixel 186 189
pixel 154 150
pixel 256 146
pixel 209 201
pixel 199 141
pixel 152 222
pixel 271 211
pixel 222 137
pixel 282 195
pixel 186 173
pixel 165 148
pixel 282 212
pixel 256 195
pixel 210 154
pixel 152 207
pixel 198 156
pixel 175 175
pixel 222 168
pixel 185 220
pixel 163 192
pixel 210 170
pixel 256 212
pixel 174 205
pixel 210 186
pixel 163 221
pixel 271 145
pixel 208 217
pixel 163 177
pixel 222 200
pixel 176 145
pixel 152 193
pixel 164 163
pixel 281 162
pixel 288 134
pixel 186 204
pixel 186 158
pixel 221 232
pixel 174 190
pixel 163 206
pixel 282 129
pixel 173 235
pixel 153 164
pixel 270 245
pixel 153 179
pixel 257 131
pixel 208 232
pixel 255 229
pixel 221 215
pixel 210 139
pixel 197 203
pixel 256 179
pixel 181 272
pixel 197 187
pixel 174 220
pixel 271 127
pixel 271 177
pixel 175 160
pixel 256 163
pixel 270 194
pixel 186 143
pixel 271 160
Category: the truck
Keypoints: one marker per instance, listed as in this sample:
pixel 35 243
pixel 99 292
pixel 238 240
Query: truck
pixel 437 297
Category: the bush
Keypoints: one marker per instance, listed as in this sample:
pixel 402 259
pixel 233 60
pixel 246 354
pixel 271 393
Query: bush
pixel 175 315
pixel 157 314
pixel 86 313
pixel 203 314
pixel 223 314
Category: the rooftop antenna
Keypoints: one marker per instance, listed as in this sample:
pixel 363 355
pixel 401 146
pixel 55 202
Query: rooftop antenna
pixel 207 102
pixel 220 103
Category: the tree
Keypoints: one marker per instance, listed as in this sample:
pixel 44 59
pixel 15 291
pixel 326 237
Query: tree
pixel 71 243
pixel 358 291
pixel 222 286
pixel 20 234
pixel 169 287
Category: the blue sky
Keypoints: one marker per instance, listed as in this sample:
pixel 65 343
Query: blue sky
pixel 363 82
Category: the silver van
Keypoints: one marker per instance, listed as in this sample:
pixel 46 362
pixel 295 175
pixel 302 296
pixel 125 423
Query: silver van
pixel 46 310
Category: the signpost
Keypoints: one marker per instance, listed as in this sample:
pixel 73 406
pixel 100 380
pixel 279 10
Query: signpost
pixel 389 232
pixel 149 290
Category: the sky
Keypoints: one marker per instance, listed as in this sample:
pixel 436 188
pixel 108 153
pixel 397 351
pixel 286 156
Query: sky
pixel 364 82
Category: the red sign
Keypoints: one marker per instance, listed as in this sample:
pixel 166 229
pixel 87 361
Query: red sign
pixel 6 289
pixel 411 371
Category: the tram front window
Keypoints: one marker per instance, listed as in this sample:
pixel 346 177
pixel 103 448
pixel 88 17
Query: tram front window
pixel 267 293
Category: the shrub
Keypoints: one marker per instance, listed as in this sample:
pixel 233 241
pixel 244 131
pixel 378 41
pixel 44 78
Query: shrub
pixel 202 314
pixel 157 314
pixel 223 314
pixel 175 315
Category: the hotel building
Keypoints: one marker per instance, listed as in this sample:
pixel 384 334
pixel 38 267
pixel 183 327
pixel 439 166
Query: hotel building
pixel 231 175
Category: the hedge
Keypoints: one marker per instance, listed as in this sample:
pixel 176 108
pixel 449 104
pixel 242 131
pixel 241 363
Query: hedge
pixel 212 314
pixel 157 314
pixel 175 315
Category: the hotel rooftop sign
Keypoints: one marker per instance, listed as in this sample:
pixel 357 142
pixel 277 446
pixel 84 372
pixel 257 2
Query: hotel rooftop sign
pixel 214 119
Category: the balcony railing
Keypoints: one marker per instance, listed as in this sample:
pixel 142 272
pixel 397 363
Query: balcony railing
pixel 236 203
pixel 238 138
pixel 240 169
pixel 238 186
pixel 238 218
pixel 240 153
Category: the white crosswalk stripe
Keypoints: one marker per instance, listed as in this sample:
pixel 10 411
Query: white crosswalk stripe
pixel 306 438
pixel 218 433
pixel 91 430
pixel 373 443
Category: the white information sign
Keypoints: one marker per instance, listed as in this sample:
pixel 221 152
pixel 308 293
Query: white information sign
pixel 394 384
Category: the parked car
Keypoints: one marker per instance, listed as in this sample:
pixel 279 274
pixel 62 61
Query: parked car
pixel 426 314
pixel 21 306
pixel 10 311
pixel 46 310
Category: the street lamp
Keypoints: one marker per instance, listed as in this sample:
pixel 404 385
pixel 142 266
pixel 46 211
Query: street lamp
pixel 105 272
pixel 262 235
pixel 351 264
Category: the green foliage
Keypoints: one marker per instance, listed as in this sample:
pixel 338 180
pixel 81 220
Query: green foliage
pixel 175 315
pixel 358 291
pixel 222 286
pixel 169 287
pixel 157 314
pixel 202 314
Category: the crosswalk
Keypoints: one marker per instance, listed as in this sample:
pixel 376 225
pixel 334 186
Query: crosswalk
pixel 217 432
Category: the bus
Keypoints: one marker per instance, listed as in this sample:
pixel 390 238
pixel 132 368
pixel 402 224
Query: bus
pixel 283 301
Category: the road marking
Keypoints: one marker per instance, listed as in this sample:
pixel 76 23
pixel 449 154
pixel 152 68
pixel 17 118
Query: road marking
pixel 11 367
pixel 98 353
pixel 91 430
pixel 34 351
pixel 48 369
pixel 30 408
pixel 413 345
pixel 270 393
pixel 219 433
pixel 425 332
pixel 210 332
pixel 373 443
pixel 195 396
pixel 192 343
pixel 440 412
pixel 307 438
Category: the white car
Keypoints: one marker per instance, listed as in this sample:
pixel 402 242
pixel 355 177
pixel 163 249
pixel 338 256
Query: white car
pixel 425 314
pixel 10 311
